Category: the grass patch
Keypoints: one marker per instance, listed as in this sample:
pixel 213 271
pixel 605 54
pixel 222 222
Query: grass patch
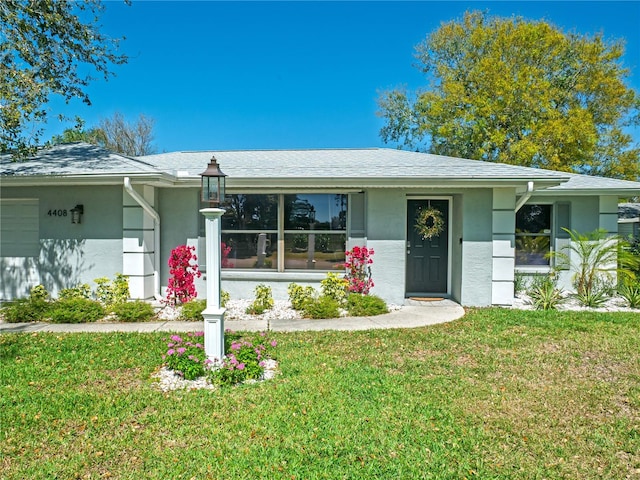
pixel 496 394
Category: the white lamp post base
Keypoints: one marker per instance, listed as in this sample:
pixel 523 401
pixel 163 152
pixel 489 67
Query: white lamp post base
pixel 214 334
pixel 214 313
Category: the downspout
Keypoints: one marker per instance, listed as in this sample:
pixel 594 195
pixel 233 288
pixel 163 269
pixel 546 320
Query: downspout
pixel 156 232
pixel 525 198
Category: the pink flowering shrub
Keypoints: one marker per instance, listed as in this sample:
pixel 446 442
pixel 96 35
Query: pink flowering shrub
pixel 244 359
pixel 186 357
pixel 358 266
pixel 183 268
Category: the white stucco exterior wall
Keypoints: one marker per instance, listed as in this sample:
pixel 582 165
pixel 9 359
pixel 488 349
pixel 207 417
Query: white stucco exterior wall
pixel 70 254
pixel 138 243
pixel 477 248
pixel 503 246
pixel 386 222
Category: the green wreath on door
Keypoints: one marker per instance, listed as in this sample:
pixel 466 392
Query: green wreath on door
pixel 429 223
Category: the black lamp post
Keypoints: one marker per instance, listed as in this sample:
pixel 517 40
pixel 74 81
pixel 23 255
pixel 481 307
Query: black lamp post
pixel 213 184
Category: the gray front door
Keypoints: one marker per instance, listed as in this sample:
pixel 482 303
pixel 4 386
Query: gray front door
pixel 427 258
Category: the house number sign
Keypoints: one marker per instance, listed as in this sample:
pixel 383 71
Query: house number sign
pixel 60 212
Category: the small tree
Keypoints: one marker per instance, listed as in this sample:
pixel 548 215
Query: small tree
pixel 183 269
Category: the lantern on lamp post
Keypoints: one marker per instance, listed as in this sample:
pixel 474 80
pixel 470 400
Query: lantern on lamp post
pixel 213 187
pixel 213 184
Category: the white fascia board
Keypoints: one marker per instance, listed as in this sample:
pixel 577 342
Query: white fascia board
pixel 360 183
pixel 69 180
pixel 621 192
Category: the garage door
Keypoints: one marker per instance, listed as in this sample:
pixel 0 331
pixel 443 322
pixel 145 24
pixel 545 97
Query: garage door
pixel 19 231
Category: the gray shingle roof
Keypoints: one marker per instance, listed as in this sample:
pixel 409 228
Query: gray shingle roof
pixel 321 168
pixel 342 163
pixel 74 159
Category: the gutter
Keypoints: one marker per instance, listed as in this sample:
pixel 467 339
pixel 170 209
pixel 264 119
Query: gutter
pixel 525 198
pixel 156 232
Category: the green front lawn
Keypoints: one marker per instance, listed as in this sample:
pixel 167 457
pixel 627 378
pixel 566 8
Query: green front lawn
pixel 497 394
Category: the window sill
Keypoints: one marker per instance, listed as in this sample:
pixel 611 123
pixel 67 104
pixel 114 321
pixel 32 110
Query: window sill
pixel 272 275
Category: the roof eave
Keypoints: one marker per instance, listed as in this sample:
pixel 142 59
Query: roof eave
pixel 85 179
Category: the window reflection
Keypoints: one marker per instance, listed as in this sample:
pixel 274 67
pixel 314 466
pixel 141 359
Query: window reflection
pixel 315 212
pixel 533 235
pixel 250 212
pixel 314 251
pixel 312 235
pixel 250 250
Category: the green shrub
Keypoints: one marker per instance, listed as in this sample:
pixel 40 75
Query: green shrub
pixel 519 282
pixel 39 293
pixel 110 293
pixel 224 298
pixel 76 310
pixel 299 295
pixel 136 311
pixel 322 307
pixel 244 359
pixel 186 356
pixel 544 292
pixel 25 310
pixel 192 310
pixel 80 291
pixel 262 302
pixel 365 305
pixel 335 286
pixel 631 293
pixel 595 296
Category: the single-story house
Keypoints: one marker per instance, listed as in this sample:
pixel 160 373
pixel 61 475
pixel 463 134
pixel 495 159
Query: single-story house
pixel 439 226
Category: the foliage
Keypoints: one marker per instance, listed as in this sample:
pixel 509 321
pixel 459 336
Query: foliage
pixel 48 49
pixel 135 311
pixel 631 293
pixel 224 298
pixel 358 266
pixel 299 295
pixel 429 223
pixel 112 292
pixel 321 307
pixel 192 310
pixel 520 92
pixel 76 310
pixel 365 305
pixel 114 134
pixel 335 287
pixel 25 310
pixel 186 356
pixel 596 258
pixel 596 296
pixel 80 291
pixel 519 282
pixel 544 292
pixel 263 301
pixel 183 268
pixel 244 359
pixel 39 292
pixel 118 135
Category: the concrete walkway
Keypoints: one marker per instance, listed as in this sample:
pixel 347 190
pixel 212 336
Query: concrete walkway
pixel 413 314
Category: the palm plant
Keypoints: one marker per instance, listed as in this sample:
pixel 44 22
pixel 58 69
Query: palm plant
pixel 597 260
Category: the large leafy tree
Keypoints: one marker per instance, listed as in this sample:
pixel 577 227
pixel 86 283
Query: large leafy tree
pixel 519 92
pixel 47 48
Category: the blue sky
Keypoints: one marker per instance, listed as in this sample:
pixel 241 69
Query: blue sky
pixel 277 75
